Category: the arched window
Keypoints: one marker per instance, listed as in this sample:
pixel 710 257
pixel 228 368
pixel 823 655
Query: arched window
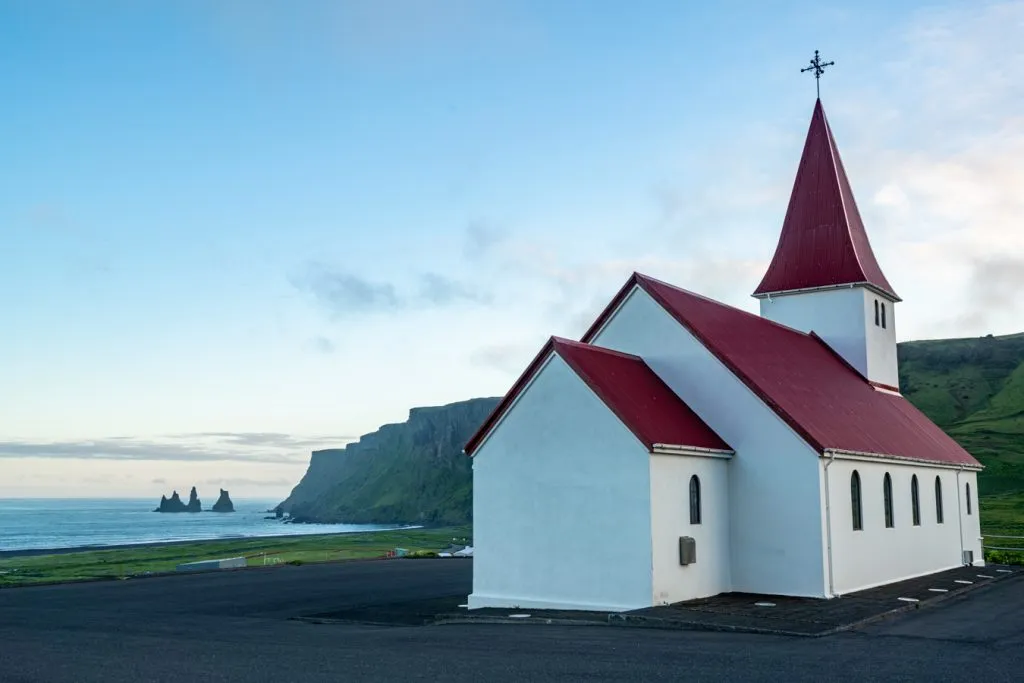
pixel 887 496
pixel 694 500
pixel 858 520
pixel 915 501
pixel 938 500
pixel 876 311
pixel 968 498
pixel 883 315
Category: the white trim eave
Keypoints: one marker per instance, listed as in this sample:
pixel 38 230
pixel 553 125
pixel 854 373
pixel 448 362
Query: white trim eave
pixel 877 457
pixel 823 288
pixel 674 449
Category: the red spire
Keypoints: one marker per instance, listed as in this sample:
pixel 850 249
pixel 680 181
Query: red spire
pixel 823 242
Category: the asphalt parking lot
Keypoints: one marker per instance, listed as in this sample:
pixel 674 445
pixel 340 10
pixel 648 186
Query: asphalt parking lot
pixel 248 626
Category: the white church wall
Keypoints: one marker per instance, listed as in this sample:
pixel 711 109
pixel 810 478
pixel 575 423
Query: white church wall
pixel 775 537
pixel 970 522
pixel 845 319
pixel 670 519
pixel 881 341
pixel 561 504
pixel 836 315
pixel 876 554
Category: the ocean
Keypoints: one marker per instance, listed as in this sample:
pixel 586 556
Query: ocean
pixel 42 523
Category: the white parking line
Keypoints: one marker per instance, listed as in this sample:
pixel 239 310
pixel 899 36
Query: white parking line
pixel 962 581
pixel 909 599
pixel 939 590
pixel 985 576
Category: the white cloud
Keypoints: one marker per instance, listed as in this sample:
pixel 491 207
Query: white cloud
pixel 935 153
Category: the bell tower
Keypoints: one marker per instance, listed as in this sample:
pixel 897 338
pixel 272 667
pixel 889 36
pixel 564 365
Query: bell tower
pixel 824 277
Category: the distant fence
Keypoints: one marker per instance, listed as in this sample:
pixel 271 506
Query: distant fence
pixel 1004 548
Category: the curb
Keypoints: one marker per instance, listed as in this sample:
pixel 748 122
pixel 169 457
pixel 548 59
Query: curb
pixel 445 620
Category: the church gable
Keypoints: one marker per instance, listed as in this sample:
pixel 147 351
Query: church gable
pixel 641 401
pixel 821 397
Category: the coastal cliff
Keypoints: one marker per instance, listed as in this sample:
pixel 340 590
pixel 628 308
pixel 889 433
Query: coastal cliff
pixel 412 472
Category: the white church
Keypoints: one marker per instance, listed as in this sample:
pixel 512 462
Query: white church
pixel 685 448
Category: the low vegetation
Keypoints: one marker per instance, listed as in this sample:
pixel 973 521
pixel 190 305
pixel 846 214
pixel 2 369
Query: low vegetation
pixel 124 563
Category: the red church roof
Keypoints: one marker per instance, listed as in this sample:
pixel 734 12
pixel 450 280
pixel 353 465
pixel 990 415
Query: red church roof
pixel 637 396
pixel 823 242
pixel 828 403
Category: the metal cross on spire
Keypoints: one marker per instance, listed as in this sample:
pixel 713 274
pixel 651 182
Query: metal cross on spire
pixel 819 68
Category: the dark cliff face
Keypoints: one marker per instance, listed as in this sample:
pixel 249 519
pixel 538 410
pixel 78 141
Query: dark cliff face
pixel 223 503
pixel 413 472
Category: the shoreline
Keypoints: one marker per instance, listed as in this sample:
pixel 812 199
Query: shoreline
pixel 30 552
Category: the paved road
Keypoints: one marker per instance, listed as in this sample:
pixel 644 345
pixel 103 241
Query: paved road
pixel 235 626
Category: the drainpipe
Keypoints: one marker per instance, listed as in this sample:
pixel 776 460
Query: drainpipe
pixel 828 525
pixel 959 514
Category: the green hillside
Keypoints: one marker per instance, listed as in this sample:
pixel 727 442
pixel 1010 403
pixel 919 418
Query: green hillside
pixel 974 389
pixel 416 472
pixel 413 472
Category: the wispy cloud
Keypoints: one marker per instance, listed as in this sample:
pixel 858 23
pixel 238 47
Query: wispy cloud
pixel 438 290
pixel 343 293
pixel 510 358
pixel 231 482
pixel 480 237
pixel 252 447
pixel 322 344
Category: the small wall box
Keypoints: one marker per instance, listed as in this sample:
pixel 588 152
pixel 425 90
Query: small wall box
pixel 687 550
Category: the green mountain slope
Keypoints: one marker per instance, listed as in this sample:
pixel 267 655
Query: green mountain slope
pixel 413 472
pixel 416 471
pixel 974 389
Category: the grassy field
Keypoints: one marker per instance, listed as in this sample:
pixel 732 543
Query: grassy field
pixel 121 563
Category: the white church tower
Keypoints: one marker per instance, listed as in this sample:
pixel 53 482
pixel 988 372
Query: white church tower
pixel 824 277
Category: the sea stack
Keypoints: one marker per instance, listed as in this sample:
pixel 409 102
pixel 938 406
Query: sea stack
pixel 223 503
pixel 174 504
pixel 194 505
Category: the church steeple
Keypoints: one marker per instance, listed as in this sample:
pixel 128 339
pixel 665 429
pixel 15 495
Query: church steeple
pixel 823 242
pixel 824 277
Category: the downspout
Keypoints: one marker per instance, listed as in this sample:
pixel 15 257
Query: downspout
pixel 828 526
pixel 959 514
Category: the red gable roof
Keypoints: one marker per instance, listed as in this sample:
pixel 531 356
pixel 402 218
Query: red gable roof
pixel 828 403
pixel 823 241
pixel 637 396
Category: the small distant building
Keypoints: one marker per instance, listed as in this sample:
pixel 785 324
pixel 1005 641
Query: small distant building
pixel 684 448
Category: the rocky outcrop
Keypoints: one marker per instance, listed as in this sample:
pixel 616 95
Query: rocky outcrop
pixel 412 472
pixel 174 504
pixel 223 503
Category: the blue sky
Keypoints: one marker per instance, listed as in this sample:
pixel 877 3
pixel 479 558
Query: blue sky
pixel 235 231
